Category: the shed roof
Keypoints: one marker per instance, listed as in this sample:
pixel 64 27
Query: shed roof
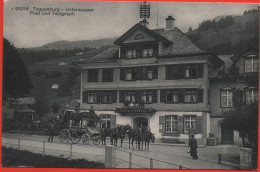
pixel 26 100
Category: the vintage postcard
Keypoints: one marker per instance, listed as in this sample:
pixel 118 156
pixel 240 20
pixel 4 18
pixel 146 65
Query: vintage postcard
pixel 130 85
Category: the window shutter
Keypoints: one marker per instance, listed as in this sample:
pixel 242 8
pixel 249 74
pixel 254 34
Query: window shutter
pixel 167 72
pixel 99 97
pixel 155 72
pixel 162 96
pixel 138 51
pixel 181 95
pixel 200 70
pixel 180 123
pixel 200 95
pixel 154 94
pixel 138 73
pixel 135 72
pixel 121 96
pixel 113 121
pixel 114 98
pixel 122 74
pixel 84 97
pixel 123 52
pixel 137 96
pixel 161 124
pixel 181 72
pixel 199 125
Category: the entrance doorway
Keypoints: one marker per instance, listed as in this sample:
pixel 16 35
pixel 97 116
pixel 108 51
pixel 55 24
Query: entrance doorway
pixel 227 135
pixel 138 120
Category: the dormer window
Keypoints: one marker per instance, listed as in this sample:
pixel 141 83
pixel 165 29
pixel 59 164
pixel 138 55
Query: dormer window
pixel 251 64
pixel 147 52
pixel 131 53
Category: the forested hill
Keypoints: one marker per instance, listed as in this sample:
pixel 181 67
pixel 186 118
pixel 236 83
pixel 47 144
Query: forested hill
pixel 79 44
pixel 227 34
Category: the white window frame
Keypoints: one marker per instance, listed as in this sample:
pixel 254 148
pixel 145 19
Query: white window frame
pixel 147 96
pixel 251 96
pixel 173 123
pixel 190 96
pixel 105 118
pixel 189 121
pixel 131 53
pixel 251 64
pixel 226 98
pixel 91 98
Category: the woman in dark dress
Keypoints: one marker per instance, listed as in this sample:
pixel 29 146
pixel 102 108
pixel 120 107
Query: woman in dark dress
pixel 193 147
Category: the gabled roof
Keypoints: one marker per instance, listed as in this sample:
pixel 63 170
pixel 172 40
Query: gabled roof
pixel 140 26
pixel 109 54
pixel 238 56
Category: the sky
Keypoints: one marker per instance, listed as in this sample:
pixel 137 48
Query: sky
pixel 108 19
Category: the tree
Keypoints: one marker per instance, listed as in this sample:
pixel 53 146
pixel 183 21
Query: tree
pixel 55 108
pixel 42 106
pixel 244 119
pixel 190 29
pixel 16 80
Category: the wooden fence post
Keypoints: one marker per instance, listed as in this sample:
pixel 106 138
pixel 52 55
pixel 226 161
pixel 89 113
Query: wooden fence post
pixel 130 160
pixel 43 148
pixel 110 156
pixel 151 163
pixel 71 151
pixel 18 143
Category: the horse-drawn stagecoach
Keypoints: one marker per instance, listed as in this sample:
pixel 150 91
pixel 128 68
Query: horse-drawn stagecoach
pixel 77 127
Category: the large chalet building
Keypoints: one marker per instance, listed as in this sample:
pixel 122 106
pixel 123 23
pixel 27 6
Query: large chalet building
pixel 160 69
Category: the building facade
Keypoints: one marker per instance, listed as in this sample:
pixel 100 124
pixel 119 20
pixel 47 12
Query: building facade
pixel 241 75
pixel 155 77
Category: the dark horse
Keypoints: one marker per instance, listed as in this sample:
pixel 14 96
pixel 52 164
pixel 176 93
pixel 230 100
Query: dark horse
pixel 134 135
pixel 147 137
pixel 118 132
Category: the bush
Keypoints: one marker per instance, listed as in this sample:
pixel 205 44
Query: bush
pixel 39 73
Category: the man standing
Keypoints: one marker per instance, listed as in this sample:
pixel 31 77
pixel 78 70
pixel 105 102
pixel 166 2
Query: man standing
pixel 51 133
pixel 193 147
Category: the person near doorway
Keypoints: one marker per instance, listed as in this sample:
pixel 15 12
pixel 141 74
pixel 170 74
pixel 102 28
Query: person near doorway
pixel 193 147
pixel 51 132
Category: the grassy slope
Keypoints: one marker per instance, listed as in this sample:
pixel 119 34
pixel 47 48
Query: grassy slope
pixel 233 34
pixel 15 158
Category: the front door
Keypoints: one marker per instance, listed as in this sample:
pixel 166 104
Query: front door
pixel 138 120
pixel 227 135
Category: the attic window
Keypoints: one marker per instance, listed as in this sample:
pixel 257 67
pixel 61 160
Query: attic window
pixel 139 36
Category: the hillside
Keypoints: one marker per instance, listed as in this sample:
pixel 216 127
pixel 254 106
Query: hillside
pixel 243 31
pixel 78 44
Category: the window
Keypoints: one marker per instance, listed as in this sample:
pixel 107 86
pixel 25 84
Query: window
pixel 130 96
pixel 106 121
pixel 93 75
pixel 191 71
pixel 147 52
pixel 226 98
pixel 171 123
pixel 146 96
pixel 107 97
pixel 189 122
pixel 172 72
pixel 107 75
pixel 172 96
pixel 190 96
pixel 148 73
pixel 130 74
pixel 251 65
pixel 251 96
pixel 131 53
pixel 139 36
pixel 92 97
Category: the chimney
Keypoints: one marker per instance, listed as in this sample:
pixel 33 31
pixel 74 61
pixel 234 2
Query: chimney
pixel 170 23
pixel 144 23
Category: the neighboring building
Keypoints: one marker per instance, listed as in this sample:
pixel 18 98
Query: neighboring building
pixel 55 86
pixel 240 75
pixel 160 68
